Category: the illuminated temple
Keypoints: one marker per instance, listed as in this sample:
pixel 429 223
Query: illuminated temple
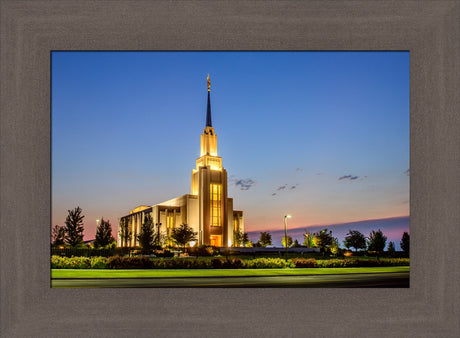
pixel 207 209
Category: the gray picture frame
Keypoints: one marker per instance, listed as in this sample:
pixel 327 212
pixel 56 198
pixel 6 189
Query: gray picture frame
pixel 30 30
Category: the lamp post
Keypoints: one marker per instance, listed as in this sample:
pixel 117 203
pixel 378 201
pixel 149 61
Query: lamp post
pixel 285 233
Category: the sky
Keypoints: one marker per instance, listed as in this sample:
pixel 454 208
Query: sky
pixel 323 136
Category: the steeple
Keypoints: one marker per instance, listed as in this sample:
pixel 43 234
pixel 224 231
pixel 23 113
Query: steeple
pixel 208 111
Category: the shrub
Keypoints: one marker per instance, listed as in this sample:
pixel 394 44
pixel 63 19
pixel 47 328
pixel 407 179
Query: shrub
pixel 342 263
pixel 267 263
pixel 202 250
pixel 99 262
pixel 181 263
pixel 58 262
pixel 217 263
pixel 304 262
pixel 117 262
pixel 228 263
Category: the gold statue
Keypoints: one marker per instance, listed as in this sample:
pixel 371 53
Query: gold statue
pixel 209 83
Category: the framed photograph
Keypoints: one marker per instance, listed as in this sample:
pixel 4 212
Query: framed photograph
pixel 296 160
pixel 32 31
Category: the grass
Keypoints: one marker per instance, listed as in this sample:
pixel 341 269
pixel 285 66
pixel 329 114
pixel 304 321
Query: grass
pixel 134 273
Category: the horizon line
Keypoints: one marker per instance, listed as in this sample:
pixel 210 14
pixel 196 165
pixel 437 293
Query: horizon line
pixel 332 224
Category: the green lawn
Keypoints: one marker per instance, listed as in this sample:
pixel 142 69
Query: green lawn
pixel 133 273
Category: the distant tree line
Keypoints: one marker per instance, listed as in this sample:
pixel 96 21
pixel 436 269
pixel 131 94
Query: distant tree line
pixel 150 237
pixel 324 240
pixel 71 234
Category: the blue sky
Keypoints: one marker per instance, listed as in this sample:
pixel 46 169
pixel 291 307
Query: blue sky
pixel 332 128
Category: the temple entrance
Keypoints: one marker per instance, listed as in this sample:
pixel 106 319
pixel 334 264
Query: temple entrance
pixel 216 240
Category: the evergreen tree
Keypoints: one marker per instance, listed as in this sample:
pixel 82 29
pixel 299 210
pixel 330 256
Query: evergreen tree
pixel 124 232
pixel 146 235
pixel 376 241
pixel 246 241
pixel 57 236
pixel 405 241
pixel 74 227
pixel 158 237
pixel 103 234
pixel 296 244
pixel 391 247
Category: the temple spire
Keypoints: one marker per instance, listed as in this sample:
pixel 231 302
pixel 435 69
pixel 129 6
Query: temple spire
pixel 208 112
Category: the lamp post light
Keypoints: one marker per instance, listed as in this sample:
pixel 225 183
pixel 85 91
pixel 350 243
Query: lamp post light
pixel 285 234
pixel 97 222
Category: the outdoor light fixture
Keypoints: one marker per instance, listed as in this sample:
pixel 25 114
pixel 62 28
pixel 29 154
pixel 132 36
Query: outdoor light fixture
pixel 285 233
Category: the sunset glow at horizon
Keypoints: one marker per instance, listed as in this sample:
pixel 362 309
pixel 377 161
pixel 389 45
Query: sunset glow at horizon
pixel 322 136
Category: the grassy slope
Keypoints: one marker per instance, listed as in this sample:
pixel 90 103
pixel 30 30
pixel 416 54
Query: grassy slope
pixel 103 273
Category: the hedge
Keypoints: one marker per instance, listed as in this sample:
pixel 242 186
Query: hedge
pixel 118 262
pixel 304 262
pixel 267 263
pixel 345 263
pixel 58 262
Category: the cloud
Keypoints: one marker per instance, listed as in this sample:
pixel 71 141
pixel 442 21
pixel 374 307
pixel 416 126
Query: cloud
pixel 244 184
pixel 274 194
pixel 286 187
pixel 407 172
pixel 298 169
pixel 349 177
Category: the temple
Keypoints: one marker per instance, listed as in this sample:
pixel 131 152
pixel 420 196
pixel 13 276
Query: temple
pixel 207 209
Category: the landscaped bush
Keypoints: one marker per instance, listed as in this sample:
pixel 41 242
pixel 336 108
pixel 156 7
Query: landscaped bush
pixel 304 262
pixel 345 263
pixel 58 262
pixel 181 263
pixel 202 250
pixel 118 262
pixel 227 263
pixel 164 253
pixel 267 263
pixel 99 262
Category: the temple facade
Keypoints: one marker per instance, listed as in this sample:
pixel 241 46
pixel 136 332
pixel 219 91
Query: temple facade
pixel 207 209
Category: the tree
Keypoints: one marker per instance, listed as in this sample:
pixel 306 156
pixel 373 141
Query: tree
pixel 355 239
pixel 376 241
pixel 74 227
pixel 183 234
pixel 103 234
pixel 57 236
pixel 405 243
pixel 238 238
pixel 296 244
pixel 335 246
pixel 146 234
pixel 286 241
pixel 308 239
pixel 265 239
pixel 158 237
pixel 391 247
pixel 124 232
pixel 323 239
pixel 246 241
